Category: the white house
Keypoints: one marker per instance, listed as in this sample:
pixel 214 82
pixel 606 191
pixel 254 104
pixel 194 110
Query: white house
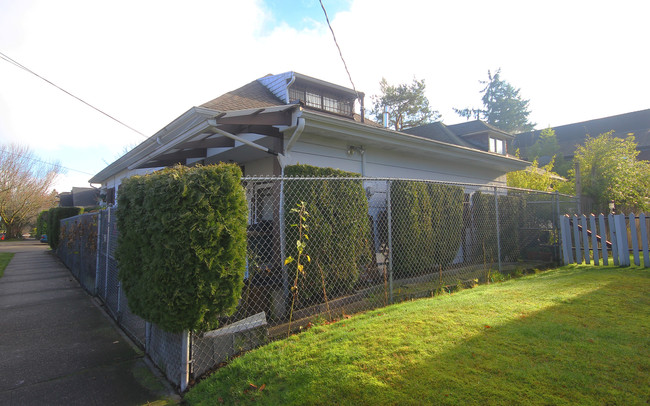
pixel 290 118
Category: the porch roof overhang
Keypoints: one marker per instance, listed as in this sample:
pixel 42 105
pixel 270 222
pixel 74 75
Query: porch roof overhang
pixel 197 130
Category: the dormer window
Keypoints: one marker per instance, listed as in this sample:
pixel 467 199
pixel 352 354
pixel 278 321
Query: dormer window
pixel 497 146
pixel 322 100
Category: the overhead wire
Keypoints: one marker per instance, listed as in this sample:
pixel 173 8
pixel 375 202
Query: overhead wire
pixel 339 48
pixel 54 165
pixel 21 66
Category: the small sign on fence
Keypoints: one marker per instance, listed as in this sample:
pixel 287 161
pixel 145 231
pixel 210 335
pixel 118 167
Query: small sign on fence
pixel 596 239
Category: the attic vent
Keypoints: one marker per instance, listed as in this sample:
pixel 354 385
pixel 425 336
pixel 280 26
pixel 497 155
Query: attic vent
pixel 321 100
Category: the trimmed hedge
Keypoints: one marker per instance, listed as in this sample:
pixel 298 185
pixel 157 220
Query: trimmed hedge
pixel 41 223
pixel 427 223
pixel 339 229
pixel 182 245
pixel 54 217
pixel 511 209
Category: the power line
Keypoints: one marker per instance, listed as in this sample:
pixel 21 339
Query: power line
pixel 339 48
pixel 44 162
pixel 21 66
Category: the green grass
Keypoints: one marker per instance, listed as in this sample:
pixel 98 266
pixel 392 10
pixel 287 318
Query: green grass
pixel 575 335
pixel 5 257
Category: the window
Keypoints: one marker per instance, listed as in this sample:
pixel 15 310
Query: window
pixel 110 196
pixel 496 145
pixel 260 207
pixel 321 100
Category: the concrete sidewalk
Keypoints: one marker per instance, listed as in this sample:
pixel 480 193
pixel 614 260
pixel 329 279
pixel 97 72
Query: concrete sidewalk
pixel 57 347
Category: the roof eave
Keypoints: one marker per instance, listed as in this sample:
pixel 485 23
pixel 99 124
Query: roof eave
pixel 150 144
pixel 439 148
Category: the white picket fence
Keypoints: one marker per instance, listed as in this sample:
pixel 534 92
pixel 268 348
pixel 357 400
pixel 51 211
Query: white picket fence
pixel 597 239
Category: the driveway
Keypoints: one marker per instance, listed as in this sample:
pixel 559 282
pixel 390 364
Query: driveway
pixel 58 347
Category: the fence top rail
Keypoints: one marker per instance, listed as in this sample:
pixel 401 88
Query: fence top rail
pixel 94 213
pixel 359 178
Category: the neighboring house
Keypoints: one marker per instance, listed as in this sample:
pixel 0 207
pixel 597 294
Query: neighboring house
pixel 79 197
pixel 290 118
pixel 569 136
pixel 473 134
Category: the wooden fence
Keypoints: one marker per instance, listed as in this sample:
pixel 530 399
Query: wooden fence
pixel 601 239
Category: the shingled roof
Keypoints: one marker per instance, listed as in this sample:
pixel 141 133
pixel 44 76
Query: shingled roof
pixel 569 136
pixel 473 127
pixel 255 95
pixel 437 131
pixel 251 96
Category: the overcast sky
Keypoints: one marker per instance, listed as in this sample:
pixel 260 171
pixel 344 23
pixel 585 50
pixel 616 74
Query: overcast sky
pixel 147 62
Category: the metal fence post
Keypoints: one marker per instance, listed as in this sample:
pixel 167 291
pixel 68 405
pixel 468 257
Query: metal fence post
pixel 147 337
pixel 185 360
pixel 496 212
pixel 97 251
pixel 557 225
pixel 108 246
pixel 390 241
pixel 283 244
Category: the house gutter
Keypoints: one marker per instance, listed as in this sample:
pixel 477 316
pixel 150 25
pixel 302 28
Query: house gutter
pixel 397 139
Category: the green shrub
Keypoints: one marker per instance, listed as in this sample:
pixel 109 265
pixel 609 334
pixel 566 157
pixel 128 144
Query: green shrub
pixel 54 217
pixel 412 228
pixel 338 228
pixel 511 209
pixel 181 247
pixel 511 217
pixel 447 201
pixel 41 223
pixel 427 223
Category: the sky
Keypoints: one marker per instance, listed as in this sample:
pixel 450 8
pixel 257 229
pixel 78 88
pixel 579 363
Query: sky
pixel 145 62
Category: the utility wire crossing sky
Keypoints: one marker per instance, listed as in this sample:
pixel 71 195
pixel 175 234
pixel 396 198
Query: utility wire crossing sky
pixel 145 63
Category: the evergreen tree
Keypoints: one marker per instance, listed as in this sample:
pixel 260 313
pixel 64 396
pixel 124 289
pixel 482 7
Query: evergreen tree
pixel 546 149
pixel 407 105
pixel 503 106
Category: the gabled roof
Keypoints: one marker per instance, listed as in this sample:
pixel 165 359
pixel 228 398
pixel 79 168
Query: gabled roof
pixel 257 95
pixel 635 123
pixel 251 96
pixel 437 131
pixel 250 122
pixel 476 127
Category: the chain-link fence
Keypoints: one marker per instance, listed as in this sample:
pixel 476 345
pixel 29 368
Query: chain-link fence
pixel 78 248
pixel 321 248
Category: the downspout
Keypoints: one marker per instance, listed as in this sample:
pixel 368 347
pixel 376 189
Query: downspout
pixel 296 134
pixel 363 161
pixel 293 79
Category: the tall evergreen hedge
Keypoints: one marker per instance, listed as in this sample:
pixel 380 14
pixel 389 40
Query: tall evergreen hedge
pixel 54 217
pixel 511 208
pixel 427 223
pixel 339 229
pixel 41 223
pixel 182 245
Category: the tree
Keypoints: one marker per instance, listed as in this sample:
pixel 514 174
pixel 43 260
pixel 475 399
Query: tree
pixel 546 148
pixel 407 105
pixel 25 184
pixel 537 178
pixel 610 172
pixel 503 106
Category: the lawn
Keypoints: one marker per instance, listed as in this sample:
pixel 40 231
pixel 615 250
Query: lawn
pixel 575 335
pixel 5 257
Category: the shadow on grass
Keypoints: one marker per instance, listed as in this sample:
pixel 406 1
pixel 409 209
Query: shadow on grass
pixel 577 335
pixel 590 349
